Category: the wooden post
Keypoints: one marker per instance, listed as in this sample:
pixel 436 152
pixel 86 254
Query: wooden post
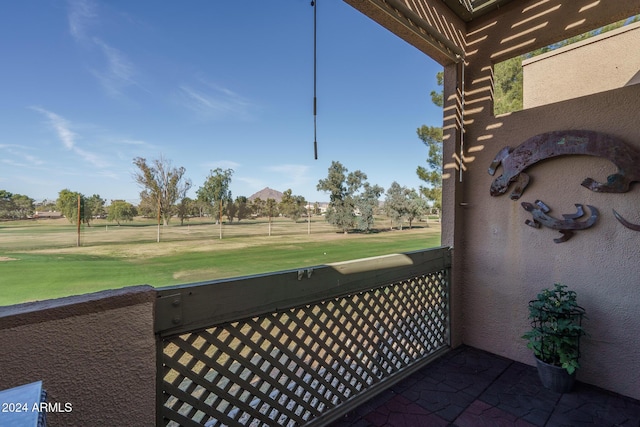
pixel 158 238
pixel 78 239
pixel 220 219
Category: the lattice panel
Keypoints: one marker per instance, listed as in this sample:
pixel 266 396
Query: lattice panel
pixel 287 368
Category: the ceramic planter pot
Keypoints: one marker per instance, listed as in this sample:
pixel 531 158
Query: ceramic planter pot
pixel 555 378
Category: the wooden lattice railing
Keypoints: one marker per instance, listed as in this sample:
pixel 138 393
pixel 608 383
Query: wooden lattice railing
pixel 298 347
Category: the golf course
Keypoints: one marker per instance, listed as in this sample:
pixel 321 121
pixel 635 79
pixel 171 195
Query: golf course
pixel 41 259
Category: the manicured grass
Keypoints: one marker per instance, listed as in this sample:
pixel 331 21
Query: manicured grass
pixel 43 262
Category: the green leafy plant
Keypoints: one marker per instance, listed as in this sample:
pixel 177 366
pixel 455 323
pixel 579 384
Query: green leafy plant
pixel 556 320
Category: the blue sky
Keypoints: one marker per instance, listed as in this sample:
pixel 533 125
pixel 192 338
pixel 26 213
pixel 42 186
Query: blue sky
pixel 88 85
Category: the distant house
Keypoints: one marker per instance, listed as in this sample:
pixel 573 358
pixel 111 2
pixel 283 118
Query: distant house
pixel 322 207
pixel 47 215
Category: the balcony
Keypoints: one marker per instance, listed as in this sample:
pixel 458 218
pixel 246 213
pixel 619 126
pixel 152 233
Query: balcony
pixel 468 387
pixel 299 347
pixel 364 342
pixel 378 342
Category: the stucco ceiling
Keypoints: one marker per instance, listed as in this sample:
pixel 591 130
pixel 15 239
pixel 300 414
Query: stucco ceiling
pixel 469 9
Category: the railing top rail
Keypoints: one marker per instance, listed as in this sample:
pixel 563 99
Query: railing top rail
pixel 191 307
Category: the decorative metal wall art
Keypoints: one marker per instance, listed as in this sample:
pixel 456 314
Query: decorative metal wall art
pixel 629 225
pixel 515 161
pixel 566 226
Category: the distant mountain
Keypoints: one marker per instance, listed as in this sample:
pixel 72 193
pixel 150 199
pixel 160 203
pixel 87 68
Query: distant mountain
pixel 267 193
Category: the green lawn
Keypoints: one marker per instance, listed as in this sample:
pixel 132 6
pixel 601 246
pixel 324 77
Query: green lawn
pixel 40 261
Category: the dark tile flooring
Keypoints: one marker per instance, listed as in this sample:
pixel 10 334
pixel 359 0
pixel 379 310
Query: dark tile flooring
pixel 471 388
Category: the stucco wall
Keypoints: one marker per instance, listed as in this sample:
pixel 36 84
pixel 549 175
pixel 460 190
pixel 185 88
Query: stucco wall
pixel 505 263
pixel 603 62
pixel 499 262
pixel 508 262
pixel 95 351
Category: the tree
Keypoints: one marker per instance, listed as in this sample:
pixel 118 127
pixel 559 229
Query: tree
pixel 231 210
pixel 258 206
pixel 292 206
pixel 438 97
pixel 345 198
pixel 271 210
pixel 67 204
pixel 403 203
pixel 215 192
pixel 15 206
pixel 147 207
pixel 395 203
pixel 46 205
pixel 244 209
pixel 23 205
pixel 201 207
pixel 93 208
pixel 367 203
pixel 6 204
pixel 416 206
pixel 119 210
pixel 162 183
pixel 340 211
pixel 186 208
pixel 432 174
pixel 432 137
pixel 507 95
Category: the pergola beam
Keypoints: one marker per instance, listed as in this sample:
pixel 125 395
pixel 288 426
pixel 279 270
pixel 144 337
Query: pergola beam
pixel 409 20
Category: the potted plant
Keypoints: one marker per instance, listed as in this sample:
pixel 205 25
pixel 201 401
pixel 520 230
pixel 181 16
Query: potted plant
pixel 556 328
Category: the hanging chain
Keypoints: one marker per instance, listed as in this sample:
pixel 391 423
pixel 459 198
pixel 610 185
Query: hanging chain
pixel 315 80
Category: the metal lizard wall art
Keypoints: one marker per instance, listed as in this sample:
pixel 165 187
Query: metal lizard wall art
pixel 515 161
pixel 629 225
pixel 566 226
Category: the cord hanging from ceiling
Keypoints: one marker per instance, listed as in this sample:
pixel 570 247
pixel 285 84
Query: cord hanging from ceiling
pixel 315 80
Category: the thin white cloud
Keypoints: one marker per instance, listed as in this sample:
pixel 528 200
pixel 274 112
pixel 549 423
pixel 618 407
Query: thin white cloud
pixel 127 141
pixel 82 14
pixel 109 174
pixel 293 171
pixel 212 102
pixel 39 183
pixel 225 91
pixel 118 71
pixel 62 128
pixel 223 164
pixel 198 100
pixel 293 176
pixel 93 158
pixel 21 155
pixel 21 164
pixel 253 183
pixel 21 158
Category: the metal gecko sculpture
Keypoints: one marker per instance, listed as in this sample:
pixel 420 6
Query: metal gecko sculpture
pixel 566 226
pixel 515 161
pixel 629 225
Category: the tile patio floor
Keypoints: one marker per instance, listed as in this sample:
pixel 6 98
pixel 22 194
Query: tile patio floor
pixel 472 388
